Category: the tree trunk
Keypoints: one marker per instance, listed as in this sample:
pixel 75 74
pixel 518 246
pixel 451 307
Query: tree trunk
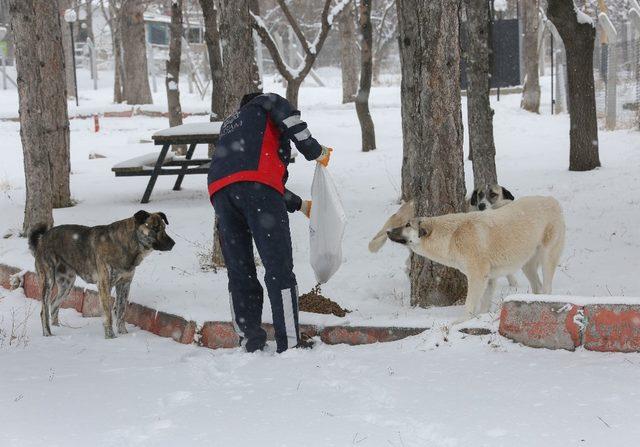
pixel 238 77
pixel 479 112
pixel 89 21
pixel 118 81
pixel 63 5
pixel 172 80
pixel 132 33
pixel 531 91
pixel 292 91
pixel 432 133
pixel 112 17
pixel 212 37
pixel 578 39
pixel 348 54
pixel 362 98
pixel 44 124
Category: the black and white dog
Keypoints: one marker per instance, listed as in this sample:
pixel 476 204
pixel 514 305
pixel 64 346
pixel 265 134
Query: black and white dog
pixel 492 197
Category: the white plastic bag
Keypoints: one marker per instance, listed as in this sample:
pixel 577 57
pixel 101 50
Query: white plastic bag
pixel 326 226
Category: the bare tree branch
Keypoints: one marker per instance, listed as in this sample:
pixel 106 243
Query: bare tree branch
pixel 261 28
pixel 294 24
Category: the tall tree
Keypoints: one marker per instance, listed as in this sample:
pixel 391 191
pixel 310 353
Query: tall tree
pixel 44 123
pixel 366 67
pixel 348 53
pixel 531 91
pixel 134 46
pixel 239 71
pixel 385 35
pixel 172 79
pixel 482 148
pixel 212 38
pixel 432 133
pixel 111 14
pixel 294 77
pixel 88 5
pixel 578 35
pixel 63 5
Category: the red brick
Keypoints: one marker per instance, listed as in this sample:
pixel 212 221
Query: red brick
pixel 31 286
pixel 218 334
pixel 181 330
pixel 541 324
pixel 75 300
pixel 120 114
pixel 365 334
pixel 6 271
pixel 612 327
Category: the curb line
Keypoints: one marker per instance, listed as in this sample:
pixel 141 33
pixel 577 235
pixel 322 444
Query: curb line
pixel 561 325
pixel 212 334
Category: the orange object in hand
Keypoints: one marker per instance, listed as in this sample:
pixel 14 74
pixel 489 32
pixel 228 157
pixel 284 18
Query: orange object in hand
pixel 323 159
pixel 306 208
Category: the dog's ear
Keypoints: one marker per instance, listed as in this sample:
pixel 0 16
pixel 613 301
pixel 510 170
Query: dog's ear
pixel 506 194
pixel 474 198
pixel 164 217
pixel 424 230
pixel 141 217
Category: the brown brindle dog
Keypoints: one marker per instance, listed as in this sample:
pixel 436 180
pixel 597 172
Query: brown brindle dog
pixel 106 255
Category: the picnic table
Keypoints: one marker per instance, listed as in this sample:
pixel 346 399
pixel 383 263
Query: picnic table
pixel 167 162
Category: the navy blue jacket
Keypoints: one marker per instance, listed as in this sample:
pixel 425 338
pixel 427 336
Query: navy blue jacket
pixel 254 145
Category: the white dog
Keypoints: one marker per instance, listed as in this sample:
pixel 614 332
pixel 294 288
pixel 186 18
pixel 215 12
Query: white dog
pixel 527 234
pixel 489 197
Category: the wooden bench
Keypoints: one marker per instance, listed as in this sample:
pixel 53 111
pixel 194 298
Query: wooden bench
pixel 167 162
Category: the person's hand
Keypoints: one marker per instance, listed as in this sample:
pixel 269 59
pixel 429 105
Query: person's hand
pixel 305 208
pixel 325 155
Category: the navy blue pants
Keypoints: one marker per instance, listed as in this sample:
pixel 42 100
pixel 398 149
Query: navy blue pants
pixel 249 211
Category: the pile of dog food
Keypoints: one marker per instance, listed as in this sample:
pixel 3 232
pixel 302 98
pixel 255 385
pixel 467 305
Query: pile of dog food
pixel 316 303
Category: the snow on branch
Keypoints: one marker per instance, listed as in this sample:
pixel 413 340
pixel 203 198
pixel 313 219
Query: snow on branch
pixel 310 50
pixel 583 18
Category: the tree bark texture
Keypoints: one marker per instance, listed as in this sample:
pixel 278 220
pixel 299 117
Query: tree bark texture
pixel 63 5
pixel 366 67
pixel 433 174
pixel 531 91
pixel 238 77
pixel 132 32
pixel 44 123
pixel 578 39
pixel 348 54
pixel 172 79
pixel 479 111
pixel 212 37
pixel 239 74
pixel 88 6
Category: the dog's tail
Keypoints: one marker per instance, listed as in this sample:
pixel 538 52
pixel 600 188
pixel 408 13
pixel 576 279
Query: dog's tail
pixel 35 235
pixel 398 219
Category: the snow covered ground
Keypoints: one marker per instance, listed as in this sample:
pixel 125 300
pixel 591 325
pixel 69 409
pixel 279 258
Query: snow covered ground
pixel 77 389
pixel 601 207
pixel 142 390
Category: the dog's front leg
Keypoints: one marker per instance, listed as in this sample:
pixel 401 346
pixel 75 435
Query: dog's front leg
pixel 104 290
pixel 122 298
pixel 476 288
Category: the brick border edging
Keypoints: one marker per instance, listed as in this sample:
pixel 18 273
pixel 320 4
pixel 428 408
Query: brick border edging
pixel 561 325
pixel 127 113
pixel 212 334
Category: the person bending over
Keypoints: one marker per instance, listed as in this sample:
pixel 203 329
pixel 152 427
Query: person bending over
pixel 246 187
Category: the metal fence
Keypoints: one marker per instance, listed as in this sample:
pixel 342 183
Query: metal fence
pixel 617 80
pixel 616 69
